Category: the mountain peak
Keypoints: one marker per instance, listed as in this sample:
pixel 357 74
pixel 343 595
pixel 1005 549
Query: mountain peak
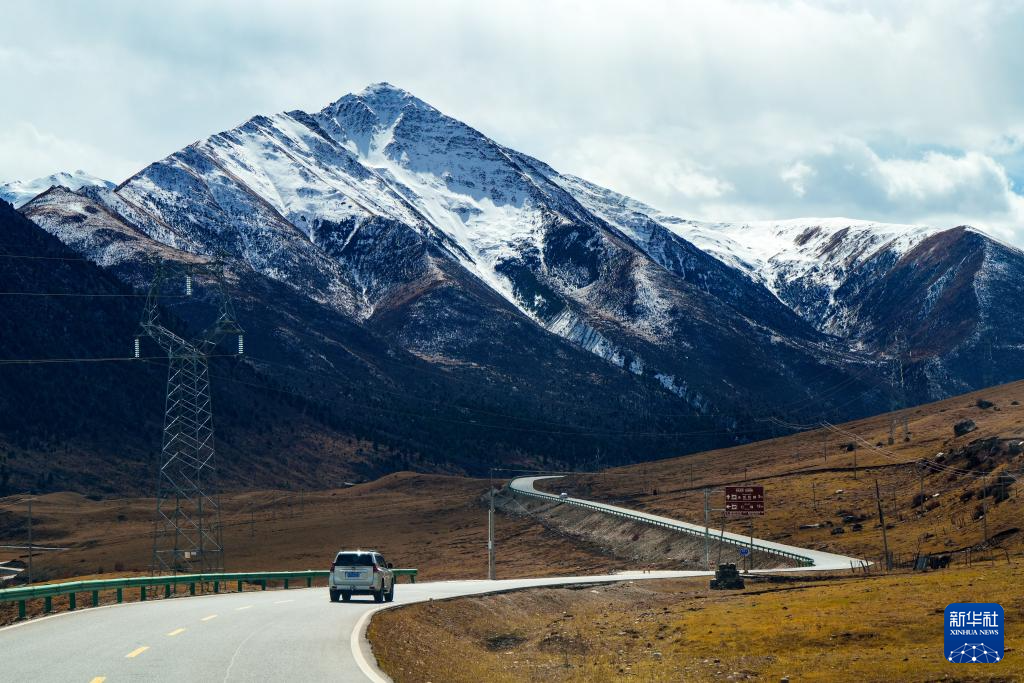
pixel 383 88
pixel 384 100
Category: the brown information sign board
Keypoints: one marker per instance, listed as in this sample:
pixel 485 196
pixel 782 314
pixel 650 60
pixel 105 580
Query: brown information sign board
pixel 743 501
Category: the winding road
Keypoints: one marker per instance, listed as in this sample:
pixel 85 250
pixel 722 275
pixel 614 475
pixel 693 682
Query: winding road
pixel 253 636
pixel 822 560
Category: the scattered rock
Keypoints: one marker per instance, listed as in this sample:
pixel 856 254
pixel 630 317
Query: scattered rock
pixel 983 404
pixel 964 427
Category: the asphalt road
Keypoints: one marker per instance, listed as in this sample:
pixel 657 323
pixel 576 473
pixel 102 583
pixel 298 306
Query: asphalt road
pixel 294 635
pixel 254 636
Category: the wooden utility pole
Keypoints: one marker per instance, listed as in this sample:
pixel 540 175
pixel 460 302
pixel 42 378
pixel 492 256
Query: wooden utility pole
pixel 707 528
pixel 881 520
pixel 984 511
pixel 490 528
pixel 30 577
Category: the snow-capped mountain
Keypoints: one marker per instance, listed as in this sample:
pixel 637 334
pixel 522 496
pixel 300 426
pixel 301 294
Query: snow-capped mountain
pixel 17 192
pixel 384 209
pixel 398 220
pixel 940 299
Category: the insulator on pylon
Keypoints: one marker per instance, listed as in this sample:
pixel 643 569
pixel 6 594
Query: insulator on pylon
pixel 241 344
pixel 188 285
pixel 138 347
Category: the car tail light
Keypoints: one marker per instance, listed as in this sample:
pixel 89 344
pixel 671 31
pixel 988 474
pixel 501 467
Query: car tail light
pixel 333 565
pixel 376 569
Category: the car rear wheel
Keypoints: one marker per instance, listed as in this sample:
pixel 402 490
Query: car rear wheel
pixel 390 597
pixel 345 597
pixel 378 596
pixel 334 596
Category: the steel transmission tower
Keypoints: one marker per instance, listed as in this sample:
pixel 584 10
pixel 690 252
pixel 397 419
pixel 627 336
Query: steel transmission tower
pixel 187 532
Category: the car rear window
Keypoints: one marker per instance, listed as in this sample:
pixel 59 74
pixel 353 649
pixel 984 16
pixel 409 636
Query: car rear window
pixel 354 560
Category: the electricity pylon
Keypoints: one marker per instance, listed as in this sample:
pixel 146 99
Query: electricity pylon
pixel 187 532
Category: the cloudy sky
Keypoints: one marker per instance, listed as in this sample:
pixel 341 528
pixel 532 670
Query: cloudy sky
pixel 899 111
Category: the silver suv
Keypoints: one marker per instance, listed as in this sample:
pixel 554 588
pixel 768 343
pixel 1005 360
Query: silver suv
pixel 361 572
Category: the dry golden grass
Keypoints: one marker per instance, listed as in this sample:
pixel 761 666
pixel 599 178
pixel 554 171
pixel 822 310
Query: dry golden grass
pixel 437 524
pixel 434 523
pixel 802 482
pixel 863 628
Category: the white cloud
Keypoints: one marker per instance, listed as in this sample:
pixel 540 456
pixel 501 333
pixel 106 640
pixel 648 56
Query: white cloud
pixel 944 178
pixel 797 175
pixel 905 110
pixel 27 153
pixel 640 167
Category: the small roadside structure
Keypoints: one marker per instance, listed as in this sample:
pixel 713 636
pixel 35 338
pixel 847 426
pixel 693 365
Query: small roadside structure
pixel 727 578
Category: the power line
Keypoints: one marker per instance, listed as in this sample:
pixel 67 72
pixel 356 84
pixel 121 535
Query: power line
pixel 44 258
pixel 568 432
pixel 51 361
pixel 91 295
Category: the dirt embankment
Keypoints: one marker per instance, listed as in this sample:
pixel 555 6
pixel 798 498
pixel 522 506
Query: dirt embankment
pixel 643 545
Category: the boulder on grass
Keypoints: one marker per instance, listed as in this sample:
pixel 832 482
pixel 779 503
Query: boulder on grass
pixel 964 427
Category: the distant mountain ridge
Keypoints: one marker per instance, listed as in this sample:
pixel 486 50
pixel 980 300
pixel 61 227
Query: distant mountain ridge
pixel 17 192
pixel 382 219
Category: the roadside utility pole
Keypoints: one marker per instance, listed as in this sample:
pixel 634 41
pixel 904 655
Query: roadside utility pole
pixel 707 528
pixel 30 577
pixel 490 530
pixel 881 520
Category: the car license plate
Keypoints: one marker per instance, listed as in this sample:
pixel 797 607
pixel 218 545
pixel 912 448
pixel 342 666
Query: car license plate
pixel 352 575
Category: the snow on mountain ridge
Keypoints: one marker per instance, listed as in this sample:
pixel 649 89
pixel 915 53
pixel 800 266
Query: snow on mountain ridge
pixel 18 192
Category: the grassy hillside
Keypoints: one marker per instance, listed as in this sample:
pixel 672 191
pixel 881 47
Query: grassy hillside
pixel 823 476
pixel 804 629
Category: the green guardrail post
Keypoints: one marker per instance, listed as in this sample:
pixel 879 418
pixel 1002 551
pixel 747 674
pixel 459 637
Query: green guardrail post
pixel 192 588
pixel 95 598
pixel 264 584
pixel 239 586
pixel 72 601
pixel 286 583
pixel 21 609
pixel 47 604
pixel 167 590
pixel 216 586
pixel 309 582
pixel 120 595
pixel 142 594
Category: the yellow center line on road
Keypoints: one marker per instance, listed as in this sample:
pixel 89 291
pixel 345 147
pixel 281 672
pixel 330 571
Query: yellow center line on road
pixel 98 679
pixel 212 616
pixel 176 632
pixel 239 609
pixel 136 652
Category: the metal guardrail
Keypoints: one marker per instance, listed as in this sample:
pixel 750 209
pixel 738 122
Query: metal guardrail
pixel 802 560
pixel 48 591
